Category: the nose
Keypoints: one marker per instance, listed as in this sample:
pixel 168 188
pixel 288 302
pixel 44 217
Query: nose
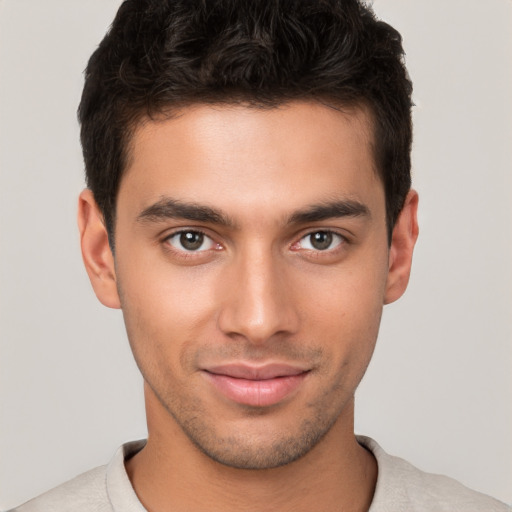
pixel 258 302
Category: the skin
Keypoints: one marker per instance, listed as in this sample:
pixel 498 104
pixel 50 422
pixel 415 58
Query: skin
pixel 258 291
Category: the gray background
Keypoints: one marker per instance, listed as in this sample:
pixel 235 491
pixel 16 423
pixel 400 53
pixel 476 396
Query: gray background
pixel 438 389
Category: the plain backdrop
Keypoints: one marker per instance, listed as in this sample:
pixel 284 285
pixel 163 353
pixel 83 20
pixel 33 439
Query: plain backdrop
pixel 438 391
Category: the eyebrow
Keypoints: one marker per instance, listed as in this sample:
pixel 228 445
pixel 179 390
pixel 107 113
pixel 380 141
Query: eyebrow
pixel 330 210
pixel 168 208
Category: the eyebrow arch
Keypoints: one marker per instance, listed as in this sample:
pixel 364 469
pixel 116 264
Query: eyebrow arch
pixel 168 208
pixel 330 210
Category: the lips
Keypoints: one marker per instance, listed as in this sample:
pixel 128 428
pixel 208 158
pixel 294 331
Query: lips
pixel 257 386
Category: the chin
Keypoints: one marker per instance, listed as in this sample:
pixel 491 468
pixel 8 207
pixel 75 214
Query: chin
pixel 262 447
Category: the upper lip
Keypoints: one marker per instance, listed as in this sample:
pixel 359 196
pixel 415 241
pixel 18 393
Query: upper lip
pixel 252 372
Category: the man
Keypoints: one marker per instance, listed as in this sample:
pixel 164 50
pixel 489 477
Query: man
pixel 249 209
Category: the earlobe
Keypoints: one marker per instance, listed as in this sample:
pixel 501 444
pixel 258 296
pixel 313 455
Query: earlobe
pixel 403 240
pixel 96 252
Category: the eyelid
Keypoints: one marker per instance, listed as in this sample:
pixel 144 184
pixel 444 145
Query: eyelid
pixel 310 232
pixel 189 253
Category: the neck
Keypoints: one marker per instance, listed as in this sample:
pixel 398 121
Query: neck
pixel 171 473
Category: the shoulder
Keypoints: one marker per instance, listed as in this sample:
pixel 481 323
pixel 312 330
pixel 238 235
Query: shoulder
pixel 403 487
pixel 103 489
pixel 85 492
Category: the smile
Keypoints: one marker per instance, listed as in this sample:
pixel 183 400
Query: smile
pixel 256 386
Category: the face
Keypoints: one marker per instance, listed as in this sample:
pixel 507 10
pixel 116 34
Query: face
pixel 252 265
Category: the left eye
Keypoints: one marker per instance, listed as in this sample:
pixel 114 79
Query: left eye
pixel 191 241
pixel 321 241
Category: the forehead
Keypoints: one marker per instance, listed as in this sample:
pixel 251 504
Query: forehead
pixel 248 157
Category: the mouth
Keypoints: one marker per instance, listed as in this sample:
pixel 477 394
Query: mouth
pixel 257 386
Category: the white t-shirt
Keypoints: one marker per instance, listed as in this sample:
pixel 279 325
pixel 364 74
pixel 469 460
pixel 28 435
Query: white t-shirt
pixel 400 488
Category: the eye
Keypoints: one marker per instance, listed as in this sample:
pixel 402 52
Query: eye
pixel 191 241
pixel 320 241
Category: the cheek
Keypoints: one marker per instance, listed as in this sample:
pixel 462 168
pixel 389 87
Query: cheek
pixel 166 309
pixel 343 312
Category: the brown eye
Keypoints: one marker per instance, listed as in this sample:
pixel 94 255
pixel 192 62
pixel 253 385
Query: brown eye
pixel 321 241
pixel 190 241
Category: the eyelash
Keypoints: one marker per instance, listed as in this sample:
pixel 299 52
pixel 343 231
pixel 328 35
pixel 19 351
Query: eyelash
pixel 342 240
pixel 184 253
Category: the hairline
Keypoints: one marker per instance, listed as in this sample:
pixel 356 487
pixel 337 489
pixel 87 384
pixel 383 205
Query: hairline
pixel 141 117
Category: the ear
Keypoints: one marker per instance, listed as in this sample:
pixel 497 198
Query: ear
pixel 96 252
pixel 403 240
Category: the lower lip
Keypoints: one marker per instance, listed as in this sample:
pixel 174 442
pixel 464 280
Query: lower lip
pixel 256 393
